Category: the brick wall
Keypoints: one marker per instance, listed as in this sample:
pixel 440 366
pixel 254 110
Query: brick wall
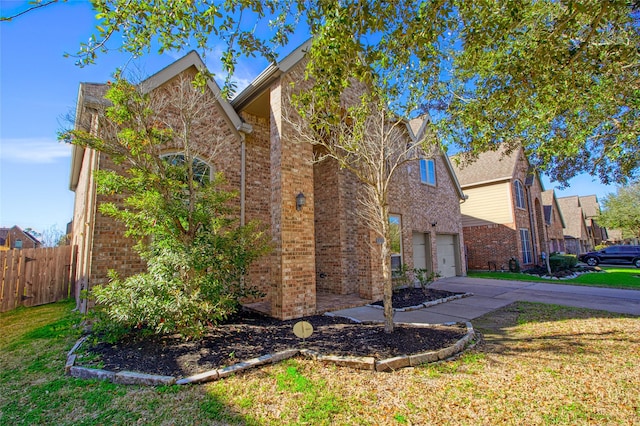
pixel 258 195
pixel 293 270
pixel 491 243
pixel 420 205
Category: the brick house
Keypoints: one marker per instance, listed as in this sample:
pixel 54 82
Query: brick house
pixel 322 255
pixel 503 217
pixel 17 238
pixel 591 209
pixel 576 233
pixel 554 222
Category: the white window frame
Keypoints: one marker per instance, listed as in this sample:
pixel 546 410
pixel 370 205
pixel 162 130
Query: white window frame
pixel 525 241
pixel 428 171
pixel 518 193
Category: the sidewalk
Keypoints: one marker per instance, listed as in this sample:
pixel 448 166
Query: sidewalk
pixel 489 295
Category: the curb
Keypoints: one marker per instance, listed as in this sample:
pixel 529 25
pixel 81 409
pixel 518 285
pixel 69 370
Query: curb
pixel 359 363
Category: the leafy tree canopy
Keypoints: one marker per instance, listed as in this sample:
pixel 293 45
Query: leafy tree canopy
pixel 560 78
pixel 622 210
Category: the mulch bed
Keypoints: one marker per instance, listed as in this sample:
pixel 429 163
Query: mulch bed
pixel 249 335
pixel 411 296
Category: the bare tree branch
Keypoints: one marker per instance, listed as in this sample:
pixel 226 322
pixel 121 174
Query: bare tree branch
pixel 36 5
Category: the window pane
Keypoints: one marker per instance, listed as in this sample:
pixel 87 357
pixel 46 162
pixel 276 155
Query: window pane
pixel 201 170
pixel 432 171
pixel 526 246
pixel 519 194
pixel 423 171
pixel 395 231
pixel 428 171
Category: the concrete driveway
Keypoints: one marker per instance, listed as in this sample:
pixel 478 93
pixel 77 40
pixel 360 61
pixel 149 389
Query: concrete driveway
pixel 489 295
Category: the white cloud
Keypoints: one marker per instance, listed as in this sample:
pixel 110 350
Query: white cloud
pixel 33 150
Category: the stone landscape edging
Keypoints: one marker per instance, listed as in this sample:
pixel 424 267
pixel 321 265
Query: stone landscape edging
pixel 426 304
pixel 361 363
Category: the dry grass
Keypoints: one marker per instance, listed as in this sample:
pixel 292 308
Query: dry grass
pixel 539 364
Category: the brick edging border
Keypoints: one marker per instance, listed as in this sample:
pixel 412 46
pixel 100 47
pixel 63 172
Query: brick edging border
pixel 426 304
pixel 361 363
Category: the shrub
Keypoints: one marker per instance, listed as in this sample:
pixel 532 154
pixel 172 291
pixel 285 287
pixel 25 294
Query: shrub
pixel 425 277
pixel 185 223
pixel 400 277
pixel 562 262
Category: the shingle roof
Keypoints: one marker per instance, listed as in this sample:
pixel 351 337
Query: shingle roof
pixel 590 206
pixel 573 215
pixel 491 166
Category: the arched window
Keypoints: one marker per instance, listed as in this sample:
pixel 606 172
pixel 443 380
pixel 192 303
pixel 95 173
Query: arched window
pixel 519 194
pixel 201 170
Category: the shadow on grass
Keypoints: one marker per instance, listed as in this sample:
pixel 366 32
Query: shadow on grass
pixel 35 389
pixel 502 329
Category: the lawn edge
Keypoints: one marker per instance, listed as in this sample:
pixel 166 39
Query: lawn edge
pixel 360 363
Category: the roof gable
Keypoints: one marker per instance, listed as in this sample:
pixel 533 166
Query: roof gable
pixel 192 59
pixel 574 217
pixel 550 203
pixel 590 206
pixel 93 94
pixel 490 166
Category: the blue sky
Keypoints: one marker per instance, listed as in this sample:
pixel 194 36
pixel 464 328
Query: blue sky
pixel 38 88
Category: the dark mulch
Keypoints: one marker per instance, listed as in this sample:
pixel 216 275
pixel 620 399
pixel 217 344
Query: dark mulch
pixel 249 335
pixel 408 297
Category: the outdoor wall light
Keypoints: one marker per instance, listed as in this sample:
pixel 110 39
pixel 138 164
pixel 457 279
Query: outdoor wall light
pixel 300 201
pixel 434 223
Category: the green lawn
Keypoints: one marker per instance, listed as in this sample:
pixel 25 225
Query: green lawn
pixel 539 364
pixel 610 277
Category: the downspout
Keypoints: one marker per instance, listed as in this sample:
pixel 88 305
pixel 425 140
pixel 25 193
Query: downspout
pixel 531 225
pixel 243 177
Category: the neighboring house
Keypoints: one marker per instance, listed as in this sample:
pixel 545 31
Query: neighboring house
pixel 591 209
pixel 554 222
pixel 576 234
pixel 503 216
pixel 16 238
pixel 322 250
pixel 615 236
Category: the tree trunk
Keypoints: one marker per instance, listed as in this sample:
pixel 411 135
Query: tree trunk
pixel 387 292
pixel 385 260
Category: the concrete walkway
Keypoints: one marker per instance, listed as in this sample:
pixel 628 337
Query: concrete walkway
pixel 489 295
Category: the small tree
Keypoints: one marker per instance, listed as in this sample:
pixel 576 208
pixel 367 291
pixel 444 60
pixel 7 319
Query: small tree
pixel 371 143
pixel 174 206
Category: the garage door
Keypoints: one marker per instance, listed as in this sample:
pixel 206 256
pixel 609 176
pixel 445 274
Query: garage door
pixel 446 247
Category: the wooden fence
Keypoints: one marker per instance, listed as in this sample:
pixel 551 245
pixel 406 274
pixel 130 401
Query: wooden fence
pixel 32 277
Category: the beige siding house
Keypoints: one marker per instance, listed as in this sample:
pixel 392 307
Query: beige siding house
pixel 323 256
pixel 502 218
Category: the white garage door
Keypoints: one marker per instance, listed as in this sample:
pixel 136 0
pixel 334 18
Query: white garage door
pixel 445 244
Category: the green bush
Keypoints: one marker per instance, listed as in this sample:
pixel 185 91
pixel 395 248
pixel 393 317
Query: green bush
pixel 562 262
